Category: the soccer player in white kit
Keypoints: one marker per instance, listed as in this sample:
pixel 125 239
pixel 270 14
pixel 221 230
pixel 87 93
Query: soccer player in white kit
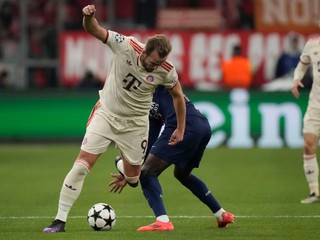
pixel 311 122
pixel 121 114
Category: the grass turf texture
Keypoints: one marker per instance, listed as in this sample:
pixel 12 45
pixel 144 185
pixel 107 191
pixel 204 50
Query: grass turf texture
pixel 262 187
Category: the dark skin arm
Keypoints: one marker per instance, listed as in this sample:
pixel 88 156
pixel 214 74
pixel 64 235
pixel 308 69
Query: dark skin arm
pixel 180 108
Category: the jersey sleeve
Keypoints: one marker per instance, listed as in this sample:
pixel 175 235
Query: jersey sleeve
pixel 305 55
pixel 171 79
pixel 117 42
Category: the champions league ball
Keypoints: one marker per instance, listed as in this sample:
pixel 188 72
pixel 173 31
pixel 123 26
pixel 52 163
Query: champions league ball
pixel 101 217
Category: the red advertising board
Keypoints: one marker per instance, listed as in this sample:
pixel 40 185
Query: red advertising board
pixel 197 56
pixel 172 18
pixel 287 15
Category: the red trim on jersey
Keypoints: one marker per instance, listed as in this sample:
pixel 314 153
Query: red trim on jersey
pixel 167 66
pixel 136 46
pixel 105 40
pixel 92 112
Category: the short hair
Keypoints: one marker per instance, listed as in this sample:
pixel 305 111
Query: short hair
pixel 294 38
pixel 236 51
pixel 160 43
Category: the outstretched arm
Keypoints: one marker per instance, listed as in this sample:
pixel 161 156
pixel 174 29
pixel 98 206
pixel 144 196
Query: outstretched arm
pixel 91 25
pixel 299 72
pixel 180 108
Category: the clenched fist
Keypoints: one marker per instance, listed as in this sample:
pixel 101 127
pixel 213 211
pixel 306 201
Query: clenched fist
pixel 89 10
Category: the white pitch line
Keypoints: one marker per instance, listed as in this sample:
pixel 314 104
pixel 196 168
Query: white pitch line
pixel 190 217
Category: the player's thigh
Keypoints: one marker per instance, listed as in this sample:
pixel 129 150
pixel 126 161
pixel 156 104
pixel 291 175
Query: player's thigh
pixel 133 144
pixel 154 165
pixel 94 143
pixel 311 121
pixel 97 137
pixel 311 129
pixel 197 137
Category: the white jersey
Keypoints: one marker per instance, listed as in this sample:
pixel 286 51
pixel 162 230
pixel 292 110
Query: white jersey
pixel 311 55
pixel 128 89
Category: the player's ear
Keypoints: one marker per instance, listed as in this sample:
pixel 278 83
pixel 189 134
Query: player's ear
pixel 144 53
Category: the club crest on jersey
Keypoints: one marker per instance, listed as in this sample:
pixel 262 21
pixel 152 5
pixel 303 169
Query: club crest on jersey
pixel 119 38
pixel 150 78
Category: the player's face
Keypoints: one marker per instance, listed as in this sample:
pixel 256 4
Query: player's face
pixel 152 61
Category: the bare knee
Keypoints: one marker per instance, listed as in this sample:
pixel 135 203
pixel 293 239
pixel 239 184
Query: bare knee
pixel 154 166
pixel 310 144
pixel 87 159
pixel 147 170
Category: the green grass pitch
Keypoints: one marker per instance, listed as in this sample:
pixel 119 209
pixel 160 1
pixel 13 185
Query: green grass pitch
pixel 262 187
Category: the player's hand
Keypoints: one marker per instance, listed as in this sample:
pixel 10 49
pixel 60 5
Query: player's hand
pixel 118 183
pixel 89 10
pixel 295 88
pixel 176 137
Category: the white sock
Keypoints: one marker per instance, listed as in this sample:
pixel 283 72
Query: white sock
pixel 311 171
pixel 120 166
pixel 71 189
pixel 219 214
pixel 163 218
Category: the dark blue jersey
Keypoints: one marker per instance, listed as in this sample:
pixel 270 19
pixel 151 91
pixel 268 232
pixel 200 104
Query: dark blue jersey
pixel 162 113
pixel 162 106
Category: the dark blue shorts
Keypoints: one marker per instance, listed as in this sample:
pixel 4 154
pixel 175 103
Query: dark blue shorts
pixel 189 152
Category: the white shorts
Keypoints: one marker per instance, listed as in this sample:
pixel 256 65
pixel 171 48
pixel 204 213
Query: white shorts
pixel 311 121
pixel 129 135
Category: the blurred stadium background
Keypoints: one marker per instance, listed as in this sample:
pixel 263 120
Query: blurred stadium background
pixel 51 68
pixel 50 73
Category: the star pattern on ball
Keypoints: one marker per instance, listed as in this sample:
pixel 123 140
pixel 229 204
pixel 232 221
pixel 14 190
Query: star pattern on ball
pixel 101 216
pixel 119 38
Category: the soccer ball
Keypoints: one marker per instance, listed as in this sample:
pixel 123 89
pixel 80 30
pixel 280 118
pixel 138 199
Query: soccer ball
pixel 101 216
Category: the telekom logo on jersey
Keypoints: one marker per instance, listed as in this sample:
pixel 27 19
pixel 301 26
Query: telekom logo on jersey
pixel 132 83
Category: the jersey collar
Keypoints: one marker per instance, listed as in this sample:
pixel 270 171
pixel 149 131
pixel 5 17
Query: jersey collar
pixel 139 60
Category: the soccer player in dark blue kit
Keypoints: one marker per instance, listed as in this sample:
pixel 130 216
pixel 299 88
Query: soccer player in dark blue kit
pixel 185 156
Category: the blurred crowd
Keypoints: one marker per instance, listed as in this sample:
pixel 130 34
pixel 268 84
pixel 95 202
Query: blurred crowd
pixel 46 18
